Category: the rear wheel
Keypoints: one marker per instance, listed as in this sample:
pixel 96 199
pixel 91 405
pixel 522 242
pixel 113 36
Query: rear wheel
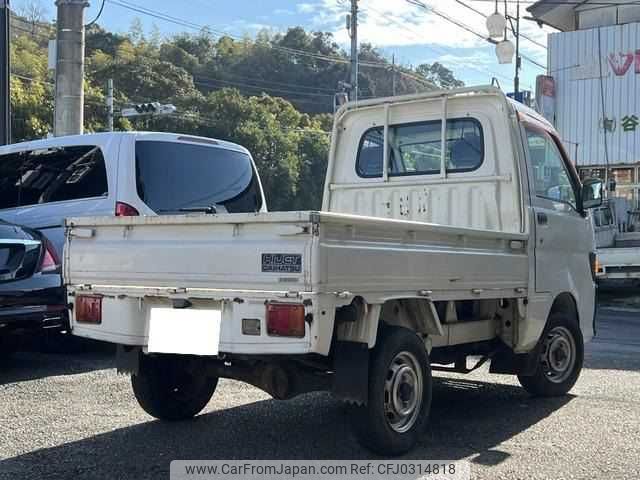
pixel 172 388
pixel 560 361
pixel 399 397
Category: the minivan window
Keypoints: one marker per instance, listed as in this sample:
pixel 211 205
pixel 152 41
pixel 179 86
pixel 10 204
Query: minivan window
pixel 52 175
pixel 415 148
pixel 172 176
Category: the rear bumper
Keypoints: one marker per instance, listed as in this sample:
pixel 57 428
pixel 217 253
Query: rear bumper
pixel 126 319
pixel 34 304
pixel 33 318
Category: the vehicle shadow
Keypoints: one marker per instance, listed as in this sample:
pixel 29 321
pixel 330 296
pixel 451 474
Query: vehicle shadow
pixel 468 419
pixel 30 365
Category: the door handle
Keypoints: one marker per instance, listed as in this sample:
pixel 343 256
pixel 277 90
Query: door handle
pixel 542 218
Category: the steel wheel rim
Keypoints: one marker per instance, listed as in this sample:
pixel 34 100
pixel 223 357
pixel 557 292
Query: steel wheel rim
pixel 559 354
pixel 403 389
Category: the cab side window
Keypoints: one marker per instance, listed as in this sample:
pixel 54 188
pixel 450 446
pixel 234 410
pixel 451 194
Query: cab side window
pixel 552 180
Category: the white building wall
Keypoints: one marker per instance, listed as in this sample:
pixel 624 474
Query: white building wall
pixel 574 62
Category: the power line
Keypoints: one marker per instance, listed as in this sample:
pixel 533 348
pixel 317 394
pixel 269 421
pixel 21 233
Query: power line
pixel 30 79
pixel 438 50
pixel 259 87
pixel 281 84
pixel 463 26
pixel 212 122
pixel 97 16
pixel 30 32
pixel 291 51
pixel 252 91
pixel 469 7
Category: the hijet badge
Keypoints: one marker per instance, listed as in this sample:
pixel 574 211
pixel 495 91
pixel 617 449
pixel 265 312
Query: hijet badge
pixel 281 263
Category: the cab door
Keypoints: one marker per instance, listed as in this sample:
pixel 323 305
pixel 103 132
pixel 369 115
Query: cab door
pixel 564 237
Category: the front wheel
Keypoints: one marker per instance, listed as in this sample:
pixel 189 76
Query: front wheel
pixel 399 399
pixel 172 388
pixel 560 361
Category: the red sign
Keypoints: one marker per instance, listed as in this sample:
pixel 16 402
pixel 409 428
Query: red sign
pixel 621 63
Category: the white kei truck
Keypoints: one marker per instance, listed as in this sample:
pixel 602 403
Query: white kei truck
pixel 617 255
pixel 453 225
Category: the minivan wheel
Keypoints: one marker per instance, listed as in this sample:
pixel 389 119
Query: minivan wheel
pixel 560 360
pixel 399 397
pixel 170 388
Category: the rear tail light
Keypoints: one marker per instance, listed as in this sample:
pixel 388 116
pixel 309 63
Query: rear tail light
pixel 596 266
pixel 50 261
pixel 125 210
pixel 285 320
pixel 89 309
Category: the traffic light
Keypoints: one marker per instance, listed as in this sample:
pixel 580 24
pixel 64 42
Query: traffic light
pixel 152 108
pixel 147 108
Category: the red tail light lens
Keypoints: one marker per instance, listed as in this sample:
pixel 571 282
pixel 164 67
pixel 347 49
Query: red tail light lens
pixel 285 320
pixel 125 210
pixel 89 309
pixel 50 261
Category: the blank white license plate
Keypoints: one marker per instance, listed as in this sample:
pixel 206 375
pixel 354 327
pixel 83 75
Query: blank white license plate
pixel 184 331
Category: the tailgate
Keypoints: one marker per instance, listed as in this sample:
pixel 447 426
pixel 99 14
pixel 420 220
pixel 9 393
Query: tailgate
pixel 236 252
pixel 619 262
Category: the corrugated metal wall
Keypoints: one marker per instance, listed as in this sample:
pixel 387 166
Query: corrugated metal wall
pixel 574 61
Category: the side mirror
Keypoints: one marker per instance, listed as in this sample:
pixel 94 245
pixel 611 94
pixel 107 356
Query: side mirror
pixel 592 193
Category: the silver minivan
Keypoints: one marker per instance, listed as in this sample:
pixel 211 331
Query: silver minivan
pixel 124 174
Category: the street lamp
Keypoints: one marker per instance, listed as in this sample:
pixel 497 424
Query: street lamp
pixel 505 49
pixel 496 24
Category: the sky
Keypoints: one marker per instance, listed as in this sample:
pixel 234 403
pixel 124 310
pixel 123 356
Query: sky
pixel 414 35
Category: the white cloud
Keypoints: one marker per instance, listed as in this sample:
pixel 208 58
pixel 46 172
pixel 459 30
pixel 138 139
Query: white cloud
pixel 306 7
pixel 386 23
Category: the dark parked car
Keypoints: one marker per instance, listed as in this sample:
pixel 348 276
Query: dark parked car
pixel 32 300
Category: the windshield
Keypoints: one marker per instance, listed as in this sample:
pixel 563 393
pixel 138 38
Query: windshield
pixel 173 176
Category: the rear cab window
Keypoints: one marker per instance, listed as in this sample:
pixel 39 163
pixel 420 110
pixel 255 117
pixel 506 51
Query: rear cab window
pixel 173 177
pixel 52 175
pixel 415 148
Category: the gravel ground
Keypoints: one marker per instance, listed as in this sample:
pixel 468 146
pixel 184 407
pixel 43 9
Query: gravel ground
pixel 72 416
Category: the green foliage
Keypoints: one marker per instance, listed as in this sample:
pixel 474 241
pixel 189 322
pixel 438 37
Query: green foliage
pixel 258 93
pixel 439 75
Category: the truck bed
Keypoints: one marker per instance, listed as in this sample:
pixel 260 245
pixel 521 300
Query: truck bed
pixel 618 263
pixel 235 264
pixel 330 253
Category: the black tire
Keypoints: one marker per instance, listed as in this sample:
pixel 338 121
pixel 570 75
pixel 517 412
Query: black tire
pixel 373 426
pixel 170 388
pixel 6 349
pixel 547 381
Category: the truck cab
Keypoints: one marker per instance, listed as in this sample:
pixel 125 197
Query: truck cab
pixel 453 227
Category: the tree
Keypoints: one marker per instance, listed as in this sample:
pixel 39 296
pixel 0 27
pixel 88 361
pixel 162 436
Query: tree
pixel 439 75
pixel 272 94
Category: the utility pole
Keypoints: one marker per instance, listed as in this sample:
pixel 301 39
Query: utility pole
pixel 110 104
pixel 393 73
pixel 516 79
pixel 69 101
pixel 5 74
pixel 354 50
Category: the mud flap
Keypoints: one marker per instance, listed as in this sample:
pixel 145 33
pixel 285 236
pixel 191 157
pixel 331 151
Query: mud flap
pixel 351 367
pixel 128 359
pixel 509 363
